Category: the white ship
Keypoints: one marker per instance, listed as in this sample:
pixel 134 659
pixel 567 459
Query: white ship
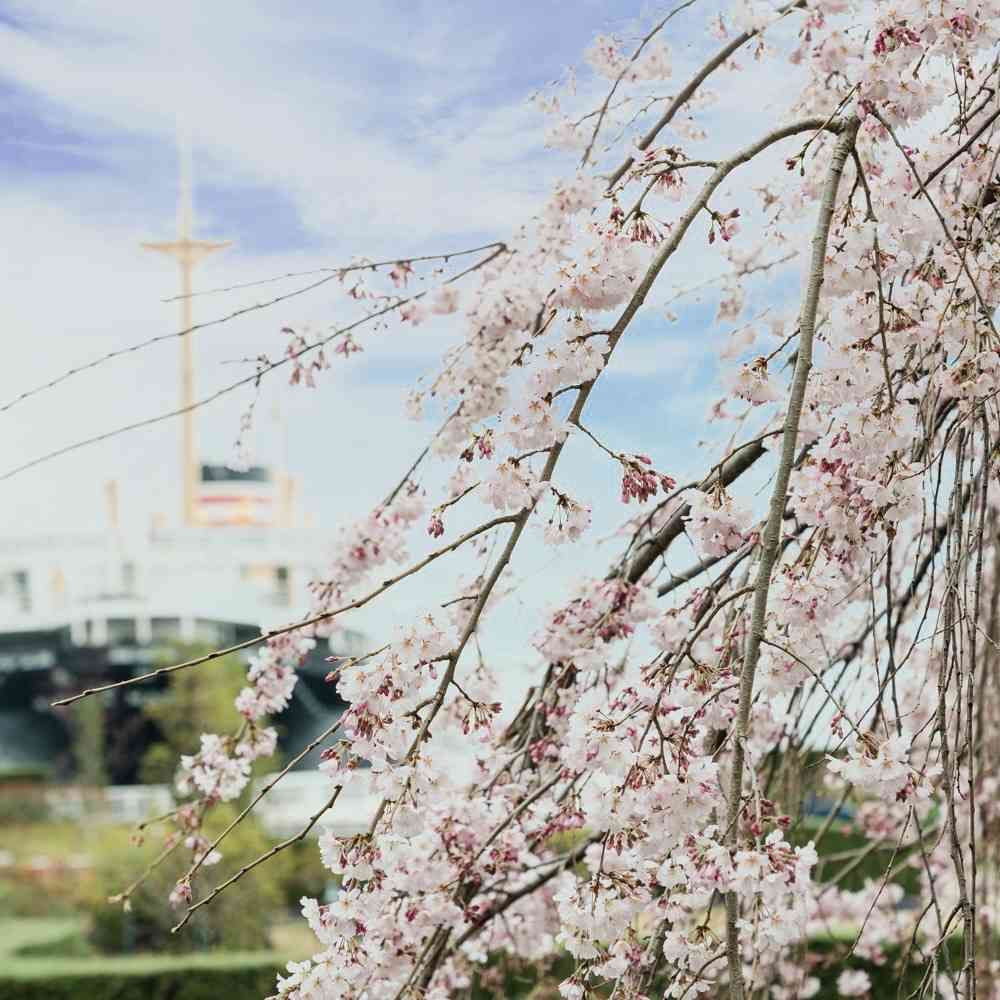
pixel 78 610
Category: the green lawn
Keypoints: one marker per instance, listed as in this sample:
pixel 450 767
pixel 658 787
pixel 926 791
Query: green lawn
pixel 58 839
pixel 218 976
pixel 137 965
pixel 45 958
pixel 26 932
pixel 39 961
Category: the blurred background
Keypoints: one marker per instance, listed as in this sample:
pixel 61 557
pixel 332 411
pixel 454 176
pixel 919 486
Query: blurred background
pixel 224 552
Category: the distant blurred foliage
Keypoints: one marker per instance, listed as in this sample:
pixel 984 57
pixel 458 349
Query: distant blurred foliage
pixel 239 918
pixel 196 701
pixel 89 746
pixel 222 977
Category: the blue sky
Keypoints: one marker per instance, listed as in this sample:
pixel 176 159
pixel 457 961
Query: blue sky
pixel 88 92
pixel 320 131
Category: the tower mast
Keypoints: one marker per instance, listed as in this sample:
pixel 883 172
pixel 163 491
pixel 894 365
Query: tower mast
pixel 187 251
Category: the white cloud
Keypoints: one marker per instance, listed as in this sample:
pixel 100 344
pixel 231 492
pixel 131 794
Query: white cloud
pixel 269 102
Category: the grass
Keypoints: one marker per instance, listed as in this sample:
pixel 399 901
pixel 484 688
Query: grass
pixel 294 938
pixel 57 839
pixel 27 968
pixel 29 932
pixel 47 951
pixel 233 975
pixel 46 968
pixel 41 947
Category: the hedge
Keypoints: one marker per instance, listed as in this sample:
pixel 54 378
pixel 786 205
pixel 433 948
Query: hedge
pixel 225 976
pixel 901 975
pixel 251 976
pixel 898 978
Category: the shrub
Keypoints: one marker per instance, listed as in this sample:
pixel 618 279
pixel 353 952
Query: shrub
pixel 237 919
pixel 22 795
pixel 840 853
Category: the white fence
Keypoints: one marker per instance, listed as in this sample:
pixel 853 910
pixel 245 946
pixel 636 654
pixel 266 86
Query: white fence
pixel 283 811
pixel 114 804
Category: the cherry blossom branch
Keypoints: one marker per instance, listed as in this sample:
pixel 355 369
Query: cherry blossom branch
pixel 819 680
pixel 328 732
pixel 687 91
pixel 337 272
pixel 731 469
pixel 665 252
pixel 330 275
pixel 880 527
pixel 741 271
pixel 603 110
pixel 614 335
pixel 261 859
pixel 304 623
pixel 253 379
pixel 173 842
pixel 160 338
pixel 772 531
pixel 693 572
pixel 961 151
pixel 511 897
pixel 962 256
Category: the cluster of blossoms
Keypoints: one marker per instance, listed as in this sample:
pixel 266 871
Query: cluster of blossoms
pixel 364 547
pixel 606 57
pixel 385 690
pixel 752 383
pixel 221 770
pixel 882 767
pixel 508 487
pixel 272 676
pixel 640 481
pixel 971 379
pixel 568 521
pixel 215 771
pixel 844 486
pixel 605 610
pixel 716 523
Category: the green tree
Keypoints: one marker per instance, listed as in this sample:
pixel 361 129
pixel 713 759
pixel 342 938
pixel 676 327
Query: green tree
pixel 198 700
pixel 240 918
pixel 89 747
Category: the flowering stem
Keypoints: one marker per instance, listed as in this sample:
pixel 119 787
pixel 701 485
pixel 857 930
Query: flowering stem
pixel 304 623
pixel 772 532
pixel 266 856
pixel 329 731
pixel 688 90
pixel 265 369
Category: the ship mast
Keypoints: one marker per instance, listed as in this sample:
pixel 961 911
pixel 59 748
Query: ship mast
pixel 187 251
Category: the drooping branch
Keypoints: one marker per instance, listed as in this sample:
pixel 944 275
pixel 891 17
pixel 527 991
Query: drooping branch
pixel 772 531
pixel 264 369
pixel 736 466
pixel 603 110
pixel 689 89
pixel 329 274
pixel 323 616
pixel 657 545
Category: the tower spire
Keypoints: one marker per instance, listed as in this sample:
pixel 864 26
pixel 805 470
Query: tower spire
pixel 187 251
